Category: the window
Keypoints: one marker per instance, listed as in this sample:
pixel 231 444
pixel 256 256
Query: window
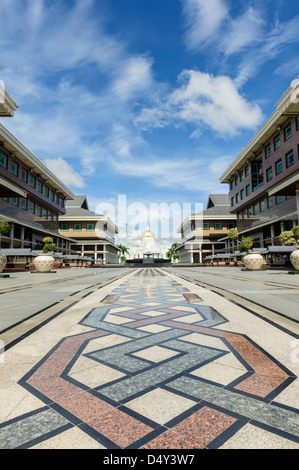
pixel 46 191
pixel 237 198
pixel 218 226
pixel 24 175
pixel 206 226
pixel 268 151
pixel 62 202
pixel 38 210
pixel 15 168
pixel 77 227
pixel 52 195
pixel 241 176
pixel 269 174
pixel 24 204
pixel 242 194
pixel 278 167
pixel 249 212
pixel 278 199
pixel 270 202
pixel 262 205
pixel 297 123
pixel 236 180
pixel 15 201
pixel 290 159
pixel 248 190
pixel 3 160
pixel 40 187
pixel 64 227
pixel 57 199
pixel 90 226
pixel 45 213
pixel 32 181
pixel 231 185
pixel 31 207
pixel 255 209
pixel 257 174
pixel 232 201
pixel 246 171
pixel 277 142
pixel 231 225
pixel 287 132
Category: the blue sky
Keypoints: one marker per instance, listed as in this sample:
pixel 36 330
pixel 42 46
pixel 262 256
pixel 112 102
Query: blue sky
pixel 147 99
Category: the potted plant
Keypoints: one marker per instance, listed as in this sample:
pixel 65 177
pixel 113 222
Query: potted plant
pixel 291 237
pixel 45 262
pixel 4 229
pixel 252 260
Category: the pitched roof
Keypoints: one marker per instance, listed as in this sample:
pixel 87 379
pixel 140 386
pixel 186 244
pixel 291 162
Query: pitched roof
pixel 78 207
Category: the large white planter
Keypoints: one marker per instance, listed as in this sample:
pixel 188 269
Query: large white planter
pixel 295 259
pixel 253 261
pixel 44 263
pixel 3 261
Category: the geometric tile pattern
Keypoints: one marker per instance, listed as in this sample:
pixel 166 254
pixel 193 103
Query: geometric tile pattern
pixel 133 379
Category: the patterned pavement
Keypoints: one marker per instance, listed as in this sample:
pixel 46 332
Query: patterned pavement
pixel 151 362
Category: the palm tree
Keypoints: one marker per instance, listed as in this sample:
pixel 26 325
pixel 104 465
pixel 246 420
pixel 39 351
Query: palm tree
pixel 173 253
pixel 123 251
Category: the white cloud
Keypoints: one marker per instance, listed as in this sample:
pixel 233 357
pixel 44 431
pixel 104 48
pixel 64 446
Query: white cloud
pixel 204 100
pixel 203 20
pixel 64 171
pixel 136 77
pixel 243 31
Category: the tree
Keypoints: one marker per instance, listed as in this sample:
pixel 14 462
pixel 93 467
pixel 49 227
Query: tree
pixel 123 251
pixel 290 237
pixel 173 253
pixel 245 244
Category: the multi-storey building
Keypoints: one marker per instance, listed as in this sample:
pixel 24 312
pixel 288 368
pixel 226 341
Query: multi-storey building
pixel 264 179
pixel 93 234
pixel 202 232
pixel 31 197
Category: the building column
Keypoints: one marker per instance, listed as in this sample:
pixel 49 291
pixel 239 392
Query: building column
pixel 11 234
pixel 272 234
pixel 282 226
pixel 22 236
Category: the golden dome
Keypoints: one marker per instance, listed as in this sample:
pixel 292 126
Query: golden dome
pixel 148 234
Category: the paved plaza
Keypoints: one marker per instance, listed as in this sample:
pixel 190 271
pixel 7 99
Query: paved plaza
pixel 152 358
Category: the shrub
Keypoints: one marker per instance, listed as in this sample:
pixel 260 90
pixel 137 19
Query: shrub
pixel 4 227
pixel 48 245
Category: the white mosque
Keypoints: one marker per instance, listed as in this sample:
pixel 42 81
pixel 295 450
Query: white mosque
pixel 148 247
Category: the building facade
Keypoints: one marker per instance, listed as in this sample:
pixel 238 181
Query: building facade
pixel 31 198
pixel 93 234
pixel 264 179
pixel 202 233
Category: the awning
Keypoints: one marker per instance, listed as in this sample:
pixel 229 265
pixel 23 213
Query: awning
pixel 8 189
pixel 287 187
